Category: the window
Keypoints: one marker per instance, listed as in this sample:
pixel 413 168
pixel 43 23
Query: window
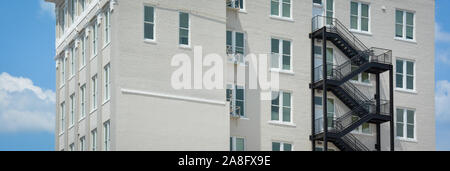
pixel 83 101
pixel 83 51
pixel 318 2
pixel 404 77
pixel 62 117
pixel 359 16
pixel 62 20
pixel 107 82
pixel 72 61
pixel 72 109
pixel 281 54
pixel 63 70
pixel 318 101
pixel 107 139
pixel 94 140
pixel 82 143
pixel 236 44
pixel 94 38
pixel 279 146
pixel 361 78
pixel 94 92
pixel 405 123
pixel 365 128
pixel 82 6
pixel 281 107
pixel 107 25
pixel 72 11
pixel 330 11
pixel 237 144
pixel 236 97
pixel 404 24
pixel 149 23
pixel 236 4
pixel 184 29
pixel 280 8
pixel 72 147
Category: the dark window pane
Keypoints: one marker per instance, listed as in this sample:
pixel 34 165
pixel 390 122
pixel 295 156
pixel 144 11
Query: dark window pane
pixel 275 46
pixel 275 146
pixel 149 14
pixel 148 31
pixel 184 20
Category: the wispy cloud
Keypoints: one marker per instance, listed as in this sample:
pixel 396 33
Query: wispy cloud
pixel 24 106
pixel 441 35
pixel 443 101
pixel 47 8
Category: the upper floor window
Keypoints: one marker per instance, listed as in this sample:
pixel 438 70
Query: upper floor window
pixel 83 143
pixel 280 146
pixel 72 61
pixel 404 25
pixel 107 26
pixel 94 92
pixel 236 97
pixel 281 54
pixel 280 8
pixel 83 101
pixel 359 16
pixel 72 11
pixel 94 140
pixel 361 78
pixel 72 109
pixel 62 70
pixel 94 38
pixel 107 138
pixel 405 74
pixel 364 128
pixel 236 45
pixel 149 23
pixel 107 83
pixel 83 51
pixel 72 147
pixel 405 123
pixel 318 2
pixel 281 107
pixel 184 29
pixel 62 125
pixel 236 4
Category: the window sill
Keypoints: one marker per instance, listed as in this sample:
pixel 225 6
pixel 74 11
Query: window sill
pixel 61 134
pixel 282 18
pixel 81 68
pixel 92 111
pixel 106 45
pixel 366 33
pixel 150 41
pixel 62 86
pixel 405 40
pixel 286 124
pixel 288 72
pixel 406 139
pixel 82 118
pixel 106 101
pixel 361 83
pixel 185 47
pixel 71 126
pixel 406 91
pixel 363 134
pixel 239 117
pixel 93 57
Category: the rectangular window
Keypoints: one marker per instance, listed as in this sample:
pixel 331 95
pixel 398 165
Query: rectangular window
pixel 63 70
pixel 359 16
pixel 62 117
pixel 72 147
pixel 405 75
pixel 236 46
pixel 149 23
pixel 107 82
pixel 107 138
pixel 281 54
pixel 94 38
pixel 365 128
pixel 280 8
pixel 72 109
pixel 404 24
pixel 361 78
pixel 94 92
pixel 83 101
pixel 72 61
pixel 405 123
pixel 72 11
pixel 236 97
pixel 281 107
pixel 330 11
pixel 82 6
pixel 280 146
pixel 184 29
pixel 237 144
pixel 82 143
pixel 318 101
pixel 83 51
pixel 107 25
pixel 235 4
pixel 94 140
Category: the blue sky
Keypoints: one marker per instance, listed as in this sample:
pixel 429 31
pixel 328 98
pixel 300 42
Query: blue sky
pixel 27 75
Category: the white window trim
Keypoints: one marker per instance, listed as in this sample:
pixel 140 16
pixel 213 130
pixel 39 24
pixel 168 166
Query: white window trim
pixel 280 11
pixel 233 46
pixel 107 27
pixel 83 51
pixel 405 131
pixel 94 40
pixel 404 25
pixel 94 143
pixel 107 83
pixel 282 143
pixel 233 99
pixel 280 56
pixel 83 143
pixel 359 24
pixel 241 9
pixel 280 109
pixel 94 92
pixel 146 22
pixel 233 145
pixel 404 89
pixel 188 46
pixel 82 102
pixel 72 110
pixel 107 136
pixel 62 118
pixel 334 107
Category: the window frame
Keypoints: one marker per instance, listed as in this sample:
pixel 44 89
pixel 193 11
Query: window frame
pixel 107 26
pixel 153 23
pixel 281 9
pixel 107 82
pixel 359 17
pixel 281 106
pixel 72 110
pixel 405 75
pixel 94 92
pixel 233 143
pixel 234 46
pixel 62 118
pixel 82 143
pixel 233 99
pixel 404 25
pixel 83 50
pixel 405 124
pixel 94 140
pixel 188 29
pixel 281 54
pixel 107 136
pixel 282 144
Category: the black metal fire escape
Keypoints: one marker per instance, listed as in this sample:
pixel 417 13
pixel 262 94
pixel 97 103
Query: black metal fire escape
pixel 336 79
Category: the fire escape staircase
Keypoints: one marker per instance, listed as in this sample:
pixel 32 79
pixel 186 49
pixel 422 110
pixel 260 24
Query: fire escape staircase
pixel 360 59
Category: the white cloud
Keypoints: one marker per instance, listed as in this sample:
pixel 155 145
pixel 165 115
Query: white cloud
pixel 47 7
pixel 24 106
pixel 443 101
pixel 441 35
